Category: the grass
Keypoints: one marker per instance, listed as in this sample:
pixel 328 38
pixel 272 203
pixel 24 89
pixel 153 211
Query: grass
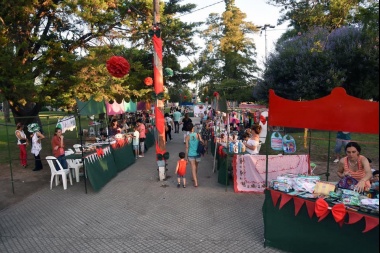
pixel 319 142
pixel 8 147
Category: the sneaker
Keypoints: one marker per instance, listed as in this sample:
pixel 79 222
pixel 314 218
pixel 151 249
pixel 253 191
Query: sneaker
pixel 178 185
pixel 141 156
pixel 184 186
pixel 336 160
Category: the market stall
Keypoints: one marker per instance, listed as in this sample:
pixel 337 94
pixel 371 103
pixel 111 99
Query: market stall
pixel 290 222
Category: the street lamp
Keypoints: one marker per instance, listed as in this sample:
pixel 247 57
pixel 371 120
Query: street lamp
pixel 264 28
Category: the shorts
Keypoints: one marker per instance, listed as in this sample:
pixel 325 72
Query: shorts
pixel 180 176
pixel 142 140
pixel 136 147
pixel 195 158
pixel 339 144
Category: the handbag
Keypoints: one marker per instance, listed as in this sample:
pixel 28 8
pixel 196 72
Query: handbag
pixel 347 182
pixel 276 141
pixel 201 149
pixel 22 141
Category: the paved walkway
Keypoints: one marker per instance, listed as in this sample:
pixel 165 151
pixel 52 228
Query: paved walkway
pixel 135 212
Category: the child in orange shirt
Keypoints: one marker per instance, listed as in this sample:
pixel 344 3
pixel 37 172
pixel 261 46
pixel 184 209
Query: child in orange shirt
pixel 181 170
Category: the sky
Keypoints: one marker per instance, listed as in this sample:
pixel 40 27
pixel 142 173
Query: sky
pixel 258 12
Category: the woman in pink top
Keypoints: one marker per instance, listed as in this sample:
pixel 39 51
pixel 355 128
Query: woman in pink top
pixel 141 129
pixel 356 166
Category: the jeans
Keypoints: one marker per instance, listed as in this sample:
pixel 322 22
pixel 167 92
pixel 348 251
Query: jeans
pixel 168 133
pixel 62 161
pixel 176 127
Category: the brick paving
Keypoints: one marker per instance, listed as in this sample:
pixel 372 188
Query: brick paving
pixel 135 212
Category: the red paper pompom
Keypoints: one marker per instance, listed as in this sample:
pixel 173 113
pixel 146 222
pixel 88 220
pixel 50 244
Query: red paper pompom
pixel 148 81
pixel 216 94
pixel 184 97
pixel 118 66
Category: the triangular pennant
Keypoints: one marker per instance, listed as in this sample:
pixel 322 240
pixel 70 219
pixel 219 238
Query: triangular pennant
pixel 370 223
pixel 298 203
pixel 275 196
pixel 310 208
pixel 354 217
pixel 285 199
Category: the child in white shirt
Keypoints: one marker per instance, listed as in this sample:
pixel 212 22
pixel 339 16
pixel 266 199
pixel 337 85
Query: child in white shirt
pixel 136 141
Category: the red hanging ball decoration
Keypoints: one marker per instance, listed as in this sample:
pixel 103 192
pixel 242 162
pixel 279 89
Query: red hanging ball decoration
pixel 184 97
pixel 148 81
pixel 216 94
pixel 118 66
pixel 206 99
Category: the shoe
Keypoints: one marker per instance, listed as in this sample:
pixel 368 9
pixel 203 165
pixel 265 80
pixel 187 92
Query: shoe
pixel 336 160
pixel 37 169
pixel 184 186
pixel 178 185
pixel 141 156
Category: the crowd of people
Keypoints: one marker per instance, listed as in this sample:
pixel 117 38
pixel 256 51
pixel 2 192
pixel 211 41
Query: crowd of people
pixel 353 164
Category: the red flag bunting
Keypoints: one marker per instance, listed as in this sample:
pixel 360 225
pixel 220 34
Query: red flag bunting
pixel 285 199
pixel 310 208
pixel 370 223
pixel 298 203
pixel 275 196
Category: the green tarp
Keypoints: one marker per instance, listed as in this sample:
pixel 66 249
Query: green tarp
pixel 286 231
pixel 90 107
pixel 123 157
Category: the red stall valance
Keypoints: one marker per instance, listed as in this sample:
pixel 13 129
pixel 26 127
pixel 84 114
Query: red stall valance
pixel 335 112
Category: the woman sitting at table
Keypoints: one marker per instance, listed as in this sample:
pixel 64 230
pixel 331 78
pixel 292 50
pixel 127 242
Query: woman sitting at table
pixel 356 166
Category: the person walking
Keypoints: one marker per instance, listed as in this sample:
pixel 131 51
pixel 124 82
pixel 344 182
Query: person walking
pixel 37 137
pixel 22 143
pixel 180 170
pixel 206 132
pixel 342 138
pixel 168 127
pixel 176 117
pixel 186 127
pixel 192 140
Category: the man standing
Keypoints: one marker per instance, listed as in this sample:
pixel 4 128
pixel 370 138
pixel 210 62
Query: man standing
pixel 141 129
pixel 176 117
pixel 342 138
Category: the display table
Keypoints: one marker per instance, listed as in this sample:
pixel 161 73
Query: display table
pixel 289 230
pixel 123 157
pixel 100 169
pixel 149 140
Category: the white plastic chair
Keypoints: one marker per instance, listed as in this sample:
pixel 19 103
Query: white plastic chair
pixel 76 165
pixel 61 172
pixel 77 147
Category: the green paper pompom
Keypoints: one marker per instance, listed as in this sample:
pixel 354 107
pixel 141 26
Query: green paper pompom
pixel 168 72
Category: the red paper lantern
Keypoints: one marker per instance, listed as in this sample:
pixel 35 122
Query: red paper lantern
pixel 184 97
pixel 206 99
pixel 118 66
pixel 148 81
pixel 216 94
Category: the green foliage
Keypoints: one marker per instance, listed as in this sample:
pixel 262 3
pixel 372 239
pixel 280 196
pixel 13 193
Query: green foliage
pixel 227 64
pixel 310 66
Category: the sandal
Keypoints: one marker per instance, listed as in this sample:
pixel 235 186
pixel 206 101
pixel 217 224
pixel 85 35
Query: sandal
pixel 184 186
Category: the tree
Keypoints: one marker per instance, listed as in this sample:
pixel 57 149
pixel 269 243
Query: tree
pixel 311 65
pixel 54 51
pixel 227 64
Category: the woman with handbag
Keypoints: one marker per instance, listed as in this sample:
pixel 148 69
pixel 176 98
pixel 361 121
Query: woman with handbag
pixel 36 136
pixel 192 140
pixel 22 142
pixel 356 166
pixel 58 148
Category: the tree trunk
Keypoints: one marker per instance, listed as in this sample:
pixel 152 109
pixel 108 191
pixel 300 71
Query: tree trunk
pixel 7 116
